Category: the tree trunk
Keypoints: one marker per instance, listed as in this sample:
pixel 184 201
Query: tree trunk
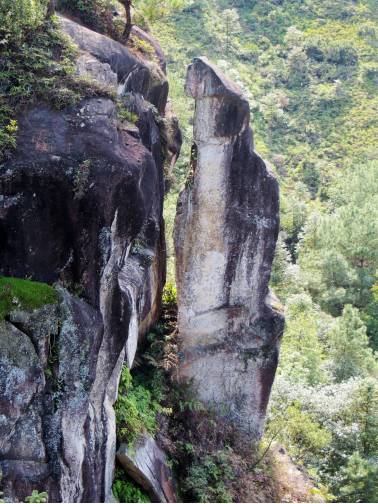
pixel 50 9
pixel 129 24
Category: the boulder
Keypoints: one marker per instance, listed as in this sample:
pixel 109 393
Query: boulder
pixel 226 229
pixel 146 463
pixel 133 74
pixel 88 66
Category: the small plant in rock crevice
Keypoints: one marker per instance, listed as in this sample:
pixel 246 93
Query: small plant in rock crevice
pixel 37 497
pixel 125 114
pixel 81 178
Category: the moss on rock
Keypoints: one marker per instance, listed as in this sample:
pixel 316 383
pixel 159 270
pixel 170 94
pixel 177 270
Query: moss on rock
pixel 24 294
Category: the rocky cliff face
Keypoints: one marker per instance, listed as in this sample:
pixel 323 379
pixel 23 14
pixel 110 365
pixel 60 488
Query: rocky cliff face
pixel 81 204
pixel 225 234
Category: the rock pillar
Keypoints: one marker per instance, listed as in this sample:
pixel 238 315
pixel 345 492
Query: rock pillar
pixel 225 235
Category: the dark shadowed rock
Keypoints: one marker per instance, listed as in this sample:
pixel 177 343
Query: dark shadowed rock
pixel 81 204
pixel 225 234
pixel 146 463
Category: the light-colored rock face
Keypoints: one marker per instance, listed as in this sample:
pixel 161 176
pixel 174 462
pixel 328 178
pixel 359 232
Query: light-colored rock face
pixel 88 66
pixel 146 463
pixel 225 234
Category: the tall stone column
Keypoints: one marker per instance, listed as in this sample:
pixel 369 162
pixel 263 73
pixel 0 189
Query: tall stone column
pixel 226 229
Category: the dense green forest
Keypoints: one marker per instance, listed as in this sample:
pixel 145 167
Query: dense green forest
pixel 310 71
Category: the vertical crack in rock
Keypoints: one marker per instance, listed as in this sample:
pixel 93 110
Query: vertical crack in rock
pixel 226 229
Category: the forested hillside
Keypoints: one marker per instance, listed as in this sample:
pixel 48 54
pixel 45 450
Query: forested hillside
pixel 310 71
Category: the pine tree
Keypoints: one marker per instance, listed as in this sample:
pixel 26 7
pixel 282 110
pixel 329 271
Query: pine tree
pixel 349 347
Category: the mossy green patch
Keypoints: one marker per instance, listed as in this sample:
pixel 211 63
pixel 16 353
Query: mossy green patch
pixel 24 294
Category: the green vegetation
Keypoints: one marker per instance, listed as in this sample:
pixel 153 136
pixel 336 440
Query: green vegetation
pixel 153 10
pixel 124 112
pixel 37 497
pixel 126 490
pixel 24 295
pixel 142 395
pixel 135 408
pixel 207 479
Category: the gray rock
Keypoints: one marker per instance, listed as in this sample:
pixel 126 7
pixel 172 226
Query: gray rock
pixel 225 234
pixel 21 377
pixel 133 74
pixel 88 66
pixel 47 444
pixel 146 463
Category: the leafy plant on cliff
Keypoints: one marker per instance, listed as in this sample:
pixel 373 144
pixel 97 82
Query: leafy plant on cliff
pixel 136 409
pixel 126 490
pixel 37 497
pixel 207 479
pixel 24 295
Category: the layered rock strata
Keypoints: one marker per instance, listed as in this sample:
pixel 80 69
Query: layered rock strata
pixel 81 204
pixel 225 234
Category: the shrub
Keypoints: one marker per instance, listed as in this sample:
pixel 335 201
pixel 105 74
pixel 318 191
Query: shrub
pixel 126 490
pixel 8 137
pixel 37 497
pixel 170 295
pixel 136 409
pixel 18 18
pixel 208 478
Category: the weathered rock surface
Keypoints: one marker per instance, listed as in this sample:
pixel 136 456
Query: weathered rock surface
pixel 146 463
pixel 132 74
pixel 225 234
pixel 146 37
pixel 45 395
pixel 80 203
